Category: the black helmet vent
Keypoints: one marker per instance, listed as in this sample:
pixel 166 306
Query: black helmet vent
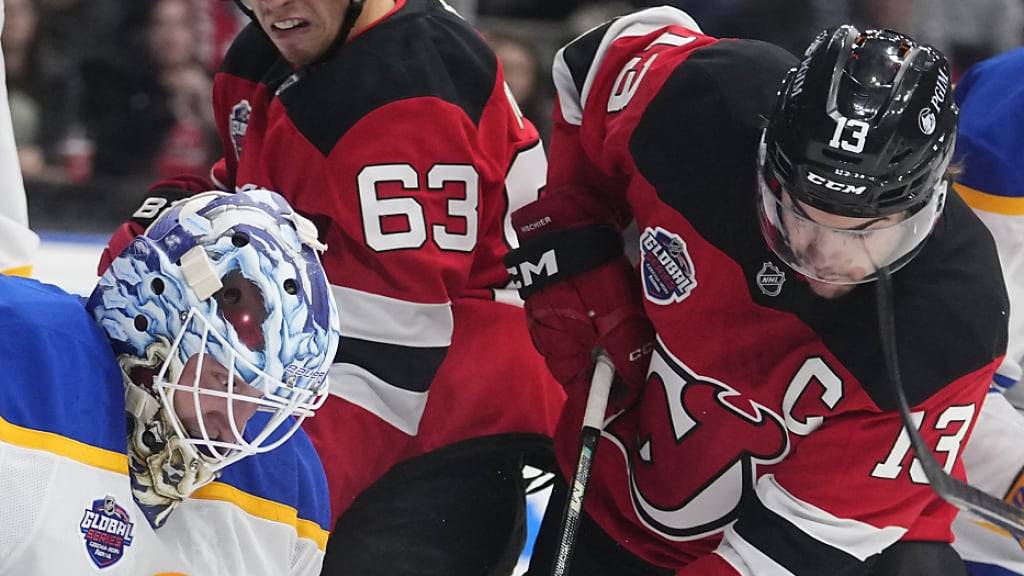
pixel 900 156
pixel 840 157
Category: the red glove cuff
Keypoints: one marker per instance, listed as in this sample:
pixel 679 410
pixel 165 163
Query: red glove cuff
pixel 119 240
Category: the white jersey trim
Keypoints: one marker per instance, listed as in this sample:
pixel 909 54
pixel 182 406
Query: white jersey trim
pixel 400 408
pixel 377 318
pixel 856 538
pixel 637 24
pixel 745 558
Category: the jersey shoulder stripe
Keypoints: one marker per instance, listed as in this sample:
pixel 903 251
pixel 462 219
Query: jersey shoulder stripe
pixel 577 64
pixel 307 525
pixel 64 447
pixel 60 376
pixel 992 203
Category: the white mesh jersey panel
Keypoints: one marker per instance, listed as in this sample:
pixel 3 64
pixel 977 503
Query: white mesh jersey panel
pixel 25 478
pixel 46 499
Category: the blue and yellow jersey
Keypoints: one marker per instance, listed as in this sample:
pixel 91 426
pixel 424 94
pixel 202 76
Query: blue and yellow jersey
pixel 67 506
pixel 990 152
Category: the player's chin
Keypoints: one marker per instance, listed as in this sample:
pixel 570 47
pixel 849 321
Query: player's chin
pixel 829 291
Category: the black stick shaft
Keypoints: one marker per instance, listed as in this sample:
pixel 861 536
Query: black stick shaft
pixel 593 422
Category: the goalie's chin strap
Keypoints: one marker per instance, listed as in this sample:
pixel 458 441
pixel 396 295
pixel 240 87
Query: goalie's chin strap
pixel 162 472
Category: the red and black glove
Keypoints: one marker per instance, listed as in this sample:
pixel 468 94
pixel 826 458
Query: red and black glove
pixel 581 293
pixel 159 197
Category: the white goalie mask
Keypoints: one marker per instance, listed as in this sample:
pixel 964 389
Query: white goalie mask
pixel 224 325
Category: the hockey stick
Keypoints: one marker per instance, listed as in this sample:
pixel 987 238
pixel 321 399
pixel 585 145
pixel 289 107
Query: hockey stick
pixel 952 490
pixel 593 421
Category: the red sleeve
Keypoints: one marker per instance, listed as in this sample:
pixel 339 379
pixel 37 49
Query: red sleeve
pixel 852 487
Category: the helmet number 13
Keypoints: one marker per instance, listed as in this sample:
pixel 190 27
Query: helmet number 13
pixel 850 135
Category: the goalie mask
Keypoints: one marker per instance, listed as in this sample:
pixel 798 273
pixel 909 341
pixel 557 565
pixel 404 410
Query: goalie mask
pixel 851 168
pixel 223 323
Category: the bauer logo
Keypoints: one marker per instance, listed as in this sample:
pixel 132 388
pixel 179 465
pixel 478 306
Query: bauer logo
pixel 239 124
pixel 667 269
pixel 107 531
pixel 770 279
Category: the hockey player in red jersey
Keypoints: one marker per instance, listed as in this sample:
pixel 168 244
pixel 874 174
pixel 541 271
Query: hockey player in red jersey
pixel 761 436
pixel 388 123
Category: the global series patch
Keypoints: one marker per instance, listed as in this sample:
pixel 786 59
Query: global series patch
pixel 667 270
pixel 238 125
pixel 107 530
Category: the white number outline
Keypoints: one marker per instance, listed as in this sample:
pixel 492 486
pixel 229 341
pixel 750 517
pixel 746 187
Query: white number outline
pixel 859 135
pixel 950 444
pixel 374 209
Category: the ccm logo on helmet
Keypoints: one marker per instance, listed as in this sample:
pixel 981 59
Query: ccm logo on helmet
pixel 833 185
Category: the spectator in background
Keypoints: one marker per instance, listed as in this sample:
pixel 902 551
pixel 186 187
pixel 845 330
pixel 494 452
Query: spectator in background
pixel 967 32
pixel 73 30
pixel 529 8
pixel 217 25
pixel 36 89
pixel 791 24
pixel 151 117
pixel 526 78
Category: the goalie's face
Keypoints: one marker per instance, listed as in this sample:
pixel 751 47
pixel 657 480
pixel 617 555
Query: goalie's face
pixel 302 30
pixel 213 405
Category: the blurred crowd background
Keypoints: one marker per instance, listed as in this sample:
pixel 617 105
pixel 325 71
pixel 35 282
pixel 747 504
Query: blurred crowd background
pixel 108 96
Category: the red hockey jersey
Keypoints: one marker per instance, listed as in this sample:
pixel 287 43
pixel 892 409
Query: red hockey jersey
pixel 767 440
pixel 409 153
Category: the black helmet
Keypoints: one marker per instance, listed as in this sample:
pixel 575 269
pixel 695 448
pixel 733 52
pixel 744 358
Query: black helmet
pixel 862 133
pixel 865 125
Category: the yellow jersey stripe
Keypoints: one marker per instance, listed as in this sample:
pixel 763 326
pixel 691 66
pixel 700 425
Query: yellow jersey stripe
pixel 23 271
pixel 64 447
pixel 266 509
pixel 1005 205
pixel 118 463
pixel 993 528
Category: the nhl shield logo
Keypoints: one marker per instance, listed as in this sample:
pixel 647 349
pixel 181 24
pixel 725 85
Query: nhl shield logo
pixel 770 279
pixel 668 274
pixel 107 531
pixel 238 124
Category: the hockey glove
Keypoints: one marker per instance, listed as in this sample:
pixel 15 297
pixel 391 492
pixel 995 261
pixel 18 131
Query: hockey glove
pixel 581 293
pixel 159 197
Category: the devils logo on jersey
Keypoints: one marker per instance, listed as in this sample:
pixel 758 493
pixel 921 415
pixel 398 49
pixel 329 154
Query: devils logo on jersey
pixel 713 433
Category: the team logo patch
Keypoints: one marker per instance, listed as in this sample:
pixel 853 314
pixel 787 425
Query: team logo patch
pixel 239 124
pixel 770 279
pixel 666 266
pixel 926 121
pixel 107 530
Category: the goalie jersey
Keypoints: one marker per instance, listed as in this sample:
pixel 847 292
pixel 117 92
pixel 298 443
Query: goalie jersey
pixel 67 505
pixel 990 147
pixel 767 440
